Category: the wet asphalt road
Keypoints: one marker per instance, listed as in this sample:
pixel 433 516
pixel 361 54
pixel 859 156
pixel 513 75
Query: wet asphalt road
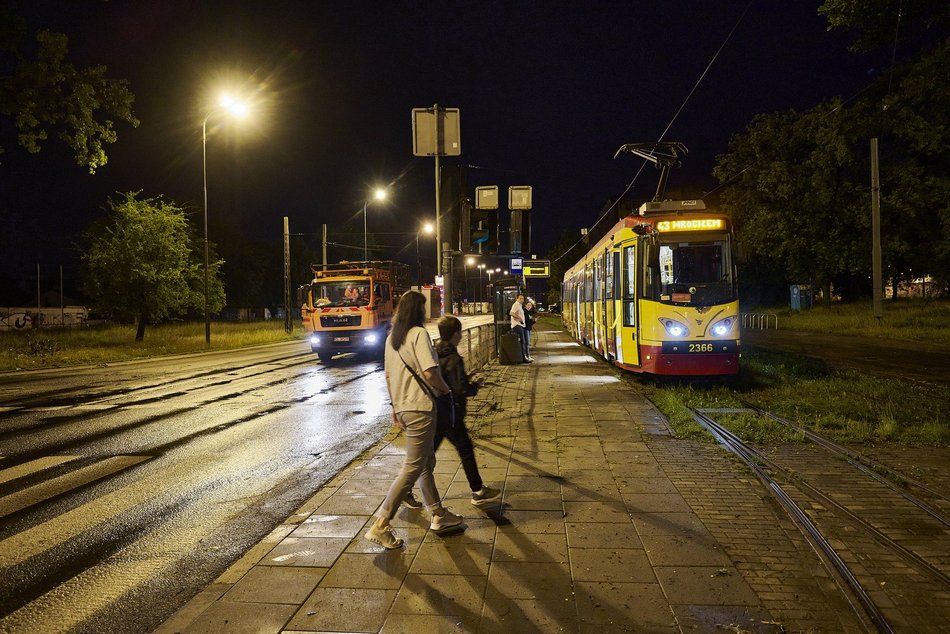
pixel 126 489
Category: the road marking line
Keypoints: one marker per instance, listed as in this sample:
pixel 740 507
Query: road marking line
pixel 45 490
pixel 33 466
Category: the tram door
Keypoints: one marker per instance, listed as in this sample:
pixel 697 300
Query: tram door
pixel 628 338
pixel 610 308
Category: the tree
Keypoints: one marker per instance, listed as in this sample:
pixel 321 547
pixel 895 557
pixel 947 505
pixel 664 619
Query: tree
pixel 43 93
pixel 141 262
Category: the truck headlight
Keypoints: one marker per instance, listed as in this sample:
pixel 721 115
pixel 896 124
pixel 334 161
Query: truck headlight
pixel 722 327
pixel 314 340
pixel 674 328
pixel 371 338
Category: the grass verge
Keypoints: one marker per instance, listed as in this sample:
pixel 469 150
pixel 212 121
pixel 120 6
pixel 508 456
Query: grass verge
pixel 911 320
pixel 38 349
pixel 845 406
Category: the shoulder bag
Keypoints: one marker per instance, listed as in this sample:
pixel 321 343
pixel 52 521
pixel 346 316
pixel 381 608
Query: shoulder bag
pixel 444 403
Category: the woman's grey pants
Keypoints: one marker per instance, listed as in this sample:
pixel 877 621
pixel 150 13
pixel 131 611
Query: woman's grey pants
pixel 418 465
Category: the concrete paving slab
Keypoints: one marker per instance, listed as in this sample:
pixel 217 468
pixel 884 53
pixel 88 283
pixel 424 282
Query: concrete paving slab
pixel 603 535
pixel 319 552
pixel 550 581
pixel 538 548
pixel 705 585
pixel 343 610
pixel 452 559
pixel 642 607
pixel 331 526
pixel 241 618
pixel 371 570
pixel 459 596
pixel 611 564
pixel 276 584
pixel 502 615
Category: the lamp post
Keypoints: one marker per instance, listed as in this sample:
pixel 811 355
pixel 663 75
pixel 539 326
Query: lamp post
pixel 468 262
pixel 481 287
pixel 239 110
pixel 426 228
pixel 379 194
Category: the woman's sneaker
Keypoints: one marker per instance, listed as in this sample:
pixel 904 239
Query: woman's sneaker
pixel 411 501
pixel 385 537
pixel 443 522
pixel 486 496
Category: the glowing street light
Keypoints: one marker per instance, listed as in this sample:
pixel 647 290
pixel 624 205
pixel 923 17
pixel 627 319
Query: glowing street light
pixel 379 194
pixel 237 109
pixel 426 228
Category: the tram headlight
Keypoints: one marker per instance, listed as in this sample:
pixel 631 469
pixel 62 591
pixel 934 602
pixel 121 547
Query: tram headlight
pixel 674 328
pixel 722 327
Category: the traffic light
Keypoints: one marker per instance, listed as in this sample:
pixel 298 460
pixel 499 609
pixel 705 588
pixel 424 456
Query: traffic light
pixel 451 199
pixel 482 228
pixel 520 233
pixel 480 221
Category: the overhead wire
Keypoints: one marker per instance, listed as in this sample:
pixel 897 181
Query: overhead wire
pixel 669 125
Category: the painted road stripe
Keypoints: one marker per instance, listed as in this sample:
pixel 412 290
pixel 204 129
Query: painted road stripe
pixel 33 466
pixel 51 488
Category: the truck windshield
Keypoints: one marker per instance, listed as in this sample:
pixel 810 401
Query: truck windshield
pixel 340 293
pixel 697 273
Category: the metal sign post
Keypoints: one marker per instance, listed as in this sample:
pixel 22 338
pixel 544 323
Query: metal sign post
pixel 435 132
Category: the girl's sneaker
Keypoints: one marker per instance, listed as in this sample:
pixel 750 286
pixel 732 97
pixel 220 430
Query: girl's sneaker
pixel 486 496
pixel 443 522
pixel 385 537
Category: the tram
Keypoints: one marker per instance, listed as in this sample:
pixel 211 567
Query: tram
pixel 657 294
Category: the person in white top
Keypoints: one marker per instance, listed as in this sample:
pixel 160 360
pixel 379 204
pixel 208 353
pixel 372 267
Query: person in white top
pixel 517 325
pixel 412 375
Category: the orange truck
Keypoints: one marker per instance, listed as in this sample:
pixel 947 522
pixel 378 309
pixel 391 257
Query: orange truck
pixel 348 307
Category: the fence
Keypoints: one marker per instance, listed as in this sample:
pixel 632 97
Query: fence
pixel 760 321
pixel 27 318
pixel 477 346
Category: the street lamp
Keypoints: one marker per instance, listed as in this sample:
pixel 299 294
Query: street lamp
pixel 426 228
pixel 239 110
pixel 481 287
pixel 379 194
pixel 468 262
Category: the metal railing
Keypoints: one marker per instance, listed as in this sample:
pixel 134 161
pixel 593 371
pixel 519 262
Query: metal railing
pixel 477 346
pixel 760 320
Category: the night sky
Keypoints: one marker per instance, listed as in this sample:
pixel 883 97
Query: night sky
pixel 547 91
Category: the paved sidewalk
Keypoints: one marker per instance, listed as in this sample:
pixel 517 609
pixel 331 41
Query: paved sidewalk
pixel 608 525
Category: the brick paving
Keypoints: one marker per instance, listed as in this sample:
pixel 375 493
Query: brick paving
pixel 609 525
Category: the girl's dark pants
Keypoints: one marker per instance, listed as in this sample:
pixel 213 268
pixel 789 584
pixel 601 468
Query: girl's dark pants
pixel 458 436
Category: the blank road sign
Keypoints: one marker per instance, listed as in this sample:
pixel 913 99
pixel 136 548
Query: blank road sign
pixel 519 197
pixel 486 197
pixel 425 136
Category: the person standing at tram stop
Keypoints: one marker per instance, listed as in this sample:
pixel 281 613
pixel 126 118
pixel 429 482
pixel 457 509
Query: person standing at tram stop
pixel 530 318
pixel 517 325
pixel 410 360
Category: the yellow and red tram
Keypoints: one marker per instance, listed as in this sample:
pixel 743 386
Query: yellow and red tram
pixel 658 294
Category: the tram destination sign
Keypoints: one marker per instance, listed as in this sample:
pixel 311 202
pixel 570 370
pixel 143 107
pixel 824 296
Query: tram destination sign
pixel 537 268
pixel 692 224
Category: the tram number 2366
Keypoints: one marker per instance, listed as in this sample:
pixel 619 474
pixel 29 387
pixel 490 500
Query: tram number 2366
pixel 698 347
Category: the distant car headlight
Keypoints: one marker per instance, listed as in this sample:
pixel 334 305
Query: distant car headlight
pixel 314 340
pixel 723 326
pixel 371 338
pixel 674 328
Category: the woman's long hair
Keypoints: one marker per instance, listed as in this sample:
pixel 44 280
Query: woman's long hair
pixel 410 312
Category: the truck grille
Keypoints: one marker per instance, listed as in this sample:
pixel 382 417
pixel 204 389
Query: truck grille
pixel 337 321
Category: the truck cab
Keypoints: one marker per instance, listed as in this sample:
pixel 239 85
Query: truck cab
pixel 349 306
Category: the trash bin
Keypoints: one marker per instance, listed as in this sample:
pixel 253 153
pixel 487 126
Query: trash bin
pixel 509 349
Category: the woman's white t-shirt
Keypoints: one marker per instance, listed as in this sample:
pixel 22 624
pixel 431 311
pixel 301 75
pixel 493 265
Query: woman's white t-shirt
pixel 404 390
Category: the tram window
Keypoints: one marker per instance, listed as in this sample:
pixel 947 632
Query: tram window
pixel 629 313
pixel 597 280
pixel 690 264
pixel 630 271
pixel 609 277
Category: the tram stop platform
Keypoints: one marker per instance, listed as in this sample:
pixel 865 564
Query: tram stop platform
pixel 608 524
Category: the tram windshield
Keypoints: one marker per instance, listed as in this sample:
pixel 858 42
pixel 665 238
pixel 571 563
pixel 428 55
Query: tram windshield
pixel 698 273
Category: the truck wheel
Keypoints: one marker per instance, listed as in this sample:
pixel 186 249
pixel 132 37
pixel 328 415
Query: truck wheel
pixel 324 356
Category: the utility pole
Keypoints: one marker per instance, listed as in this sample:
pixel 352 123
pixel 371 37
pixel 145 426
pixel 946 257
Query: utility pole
pixel 876 233
pixel 324 247
pixel 288 322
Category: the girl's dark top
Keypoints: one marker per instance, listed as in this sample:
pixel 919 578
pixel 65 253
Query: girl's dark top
pixel 453 371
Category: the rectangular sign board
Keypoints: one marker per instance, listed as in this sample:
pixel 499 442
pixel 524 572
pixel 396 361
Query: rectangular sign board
pixel 537 268
pixel 517 264
pixel 425 141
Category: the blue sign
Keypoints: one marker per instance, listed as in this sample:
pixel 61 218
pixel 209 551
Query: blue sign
pixel 517 265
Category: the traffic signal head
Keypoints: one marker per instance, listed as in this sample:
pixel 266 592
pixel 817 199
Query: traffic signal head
pixel 480 230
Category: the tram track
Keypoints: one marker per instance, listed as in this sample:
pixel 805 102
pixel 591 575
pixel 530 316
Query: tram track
pixel 846 527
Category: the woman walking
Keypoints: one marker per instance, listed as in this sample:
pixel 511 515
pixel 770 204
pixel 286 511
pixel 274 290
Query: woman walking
pixel 412 373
